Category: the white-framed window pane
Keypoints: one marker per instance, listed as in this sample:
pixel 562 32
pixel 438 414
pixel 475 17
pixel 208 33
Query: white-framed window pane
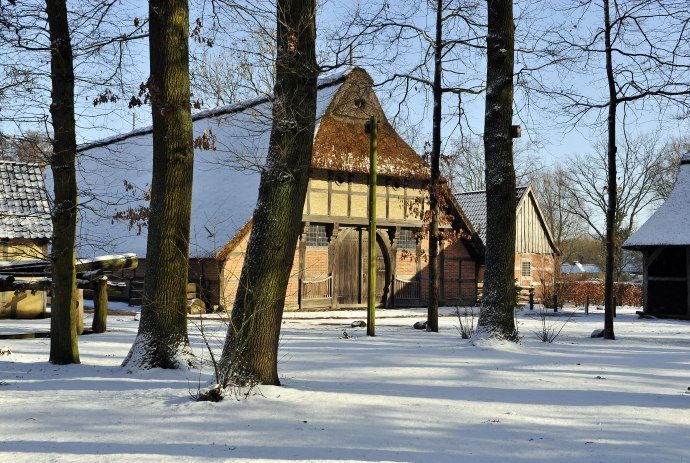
pixel 316 235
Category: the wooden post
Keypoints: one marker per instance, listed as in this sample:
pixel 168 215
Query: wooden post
pixel 587 305
pixel 615 303
pixel 372 129
pixel 100 304
pixel 531 297
pixel 129 292
pixel 79 302
pixel 555 302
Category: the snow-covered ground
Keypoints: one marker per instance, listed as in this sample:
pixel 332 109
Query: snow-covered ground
pixel 404 395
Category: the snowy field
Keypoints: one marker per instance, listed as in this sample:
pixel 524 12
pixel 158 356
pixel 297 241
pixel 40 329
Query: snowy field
pixel 402 396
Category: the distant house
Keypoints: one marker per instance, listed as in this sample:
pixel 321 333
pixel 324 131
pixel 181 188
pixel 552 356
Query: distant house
pixel 329 269
pixel 664 241
pixel 535 249
pixel 25 231
pixel 575 268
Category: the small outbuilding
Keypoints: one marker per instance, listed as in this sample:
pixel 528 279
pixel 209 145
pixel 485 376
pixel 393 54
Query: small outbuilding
pixel 535 248
pixel 664 241
pixel 25 232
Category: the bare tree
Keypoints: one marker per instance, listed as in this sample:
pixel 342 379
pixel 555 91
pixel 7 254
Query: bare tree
pixel 640 169
pixel 250 353
pixel 496 319
pixel 672 152
pixel 453 31
pixel 464 167
pixel 230 75
pixel 162 340
pixel 630 55
pixel 64 348
pixel 553 188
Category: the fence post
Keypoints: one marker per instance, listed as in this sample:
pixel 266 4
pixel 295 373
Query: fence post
pixel 554 299
pixel 129 296
pixel 615 303
pixel 531 297
pixel 100 305
pixel 587 305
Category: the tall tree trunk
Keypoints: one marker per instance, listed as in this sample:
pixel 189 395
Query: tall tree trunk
pixel 434 187
pixel 162 340
pixel 250 353
pixel 497 315
pixel 64 348
pixel 612 182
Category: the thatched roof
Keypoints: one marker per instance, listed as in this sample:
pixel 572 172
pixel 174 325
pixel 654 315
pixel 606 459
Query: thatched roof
pixel 226 180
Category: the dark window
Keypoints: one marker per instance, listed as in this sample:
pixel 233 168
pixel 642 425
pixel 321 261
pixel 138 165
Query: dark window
pixel 526 269
pixel 407 240
pixel 316 235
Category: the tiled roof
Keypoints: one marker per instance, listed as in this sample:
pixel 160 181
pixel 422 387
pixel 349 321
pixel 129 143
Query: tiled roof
pixel 24 208
pixel 473 204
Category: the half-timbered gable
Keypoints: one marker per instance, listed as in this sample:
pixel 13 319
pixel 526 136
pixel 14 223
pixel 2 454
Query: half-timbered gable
pixel 329 270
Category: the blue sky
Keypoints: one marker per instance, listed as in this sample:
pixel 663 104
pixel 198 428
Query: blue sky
pixel 554 141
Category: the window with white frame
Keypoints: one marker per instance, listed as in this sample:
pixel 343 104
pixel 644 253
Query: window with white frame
pixel 407 240
pixel 317 236
pixel 526 269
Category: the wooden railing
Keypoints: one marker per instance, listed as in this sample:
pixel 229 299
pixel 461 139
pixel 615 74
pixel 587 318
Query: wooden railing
pixel 321 288
pixel 407 289
pixel 525 294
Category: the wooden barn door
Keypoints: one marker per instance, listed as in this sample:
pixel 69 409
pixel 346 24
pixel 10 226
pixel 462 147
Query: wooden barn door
pixel 346 267
pixel 350 268
pixel 382 272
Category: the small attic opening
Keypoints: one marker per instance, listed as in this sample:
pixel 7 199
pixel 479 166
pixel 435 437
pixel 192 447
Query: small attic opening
pixel 360 103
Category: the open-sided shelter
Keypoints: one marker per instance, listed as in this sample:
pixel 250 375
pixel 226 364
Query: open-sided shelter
pixel 664 241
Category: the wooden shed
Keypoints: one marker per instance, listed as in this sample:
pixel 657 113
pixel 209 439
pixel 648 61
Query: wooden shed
pixel 535 249
pixel 664 241
pixel 25 231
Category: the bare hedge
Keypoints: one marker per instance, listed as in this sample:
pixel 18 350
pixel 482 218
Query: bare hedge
pixel 576 291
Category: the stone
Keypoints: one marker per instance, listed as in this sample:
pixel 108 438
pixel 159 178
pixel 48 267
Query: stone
pixel 597 333
pixel 196 307
pixel 419 325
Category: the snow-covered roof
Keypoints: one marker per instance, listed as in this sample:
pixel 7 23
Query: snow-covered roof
pixel 670 224
pixel 24 208
pixel 576 268
pixel 115 175
pixel 473 204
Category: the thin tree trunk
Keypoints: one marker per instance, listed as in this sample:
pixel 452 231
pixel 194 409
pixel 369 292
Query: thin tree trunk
pixel 64 347
pixel 611 183
pixel 250 353
pixel 434 188
pixel 497 315
pixel 162 338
